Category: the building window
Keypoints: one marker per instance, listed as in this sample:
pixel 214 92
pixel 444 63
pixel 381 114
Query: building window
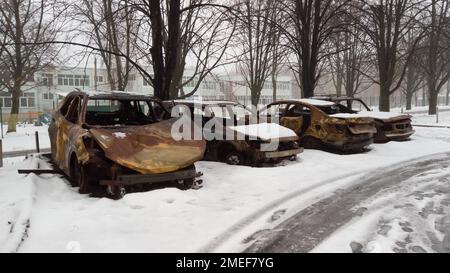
pixel 8 102
pixel 47 96
pixel 47 79
pixel 209 85
pixel 132 77
pixel 99 78
pixel 27 100
pixel 189 82
pixel 23 102
pixel 73 80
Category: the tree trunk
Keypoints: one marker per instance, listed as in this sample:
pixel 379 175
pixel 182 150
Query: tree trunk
pixel 447 97
pixel 157 50
pixel 13 118
pixel 447 101
pixel 409 97
pixel 432 103
pixel 274 86
pixel 255 95
pixel 384 103
pixel 424 98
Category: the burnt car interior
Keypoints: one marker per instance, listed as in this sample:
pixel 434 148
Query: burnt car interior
pixel 104 112
pixel 302 112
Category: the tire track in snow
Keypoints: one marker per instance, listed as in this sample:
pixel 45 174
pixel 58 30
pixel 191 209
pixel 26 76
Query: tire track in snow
pixel 233 230
pixel 21 224
pixel 309 227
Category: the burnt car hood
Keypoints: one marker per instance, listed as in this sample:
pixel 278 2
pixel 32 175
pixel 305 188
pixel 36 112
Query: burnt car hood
pixel 357 123
pixel 148 149
pixel 385 116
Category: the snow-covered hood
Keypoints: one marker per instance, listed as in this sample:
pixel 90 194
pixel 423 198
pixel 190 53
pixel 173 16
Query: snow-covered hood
pixel 266 131
pixel 385 116
pixel 349 116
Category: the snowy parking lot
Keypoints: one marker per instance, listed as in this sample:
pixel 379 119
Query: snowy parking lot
pixel 237 204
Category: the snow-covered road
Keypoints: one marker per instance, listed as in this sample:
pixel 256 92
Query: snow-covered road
pixel 402 208
pixel 234 203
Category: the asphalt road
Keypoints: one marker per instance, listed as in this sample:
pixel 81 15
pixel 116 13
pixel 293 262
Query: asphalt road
pixel 309 227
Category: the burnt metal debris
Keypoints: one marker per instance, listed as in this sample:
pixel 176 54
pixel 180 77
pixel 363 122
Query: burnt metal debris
pixel 318 128
pixel 114 140
pixel 240 149
pixel 390 126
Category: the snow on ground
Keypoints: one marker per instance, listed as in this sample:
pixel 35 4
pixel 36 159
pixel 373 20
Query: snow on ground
pixel 24 138
pixel 235 201
pixel 413 217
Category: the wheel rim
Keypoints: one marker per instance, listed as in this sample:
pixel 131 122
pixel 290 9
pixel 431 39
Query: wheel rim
pixel 233 159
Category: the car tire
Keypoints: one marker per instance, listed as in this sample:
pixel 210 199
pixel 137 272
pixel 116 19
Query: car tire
pixel 186 184
pixel 309 142
pixel 233 158
pixel 79 176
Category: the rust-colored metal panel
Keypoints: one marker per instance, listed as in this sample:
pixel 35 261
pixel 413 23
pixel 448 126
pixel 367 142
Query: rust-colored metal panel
pixel 148 149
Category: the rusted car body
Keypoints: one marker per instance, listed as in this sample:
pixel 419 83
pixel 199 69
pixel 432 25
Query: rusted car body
pixel 245 145
pixel 318 127
pixel 390 126
pixel 115 140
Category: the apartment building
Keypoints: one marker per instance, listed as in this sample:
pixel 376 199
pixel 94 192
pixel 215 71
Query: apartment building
pixel 47 88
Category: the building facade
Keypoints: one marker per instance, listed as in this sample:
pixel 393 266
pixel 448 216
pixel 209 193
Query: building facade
pixel 47 88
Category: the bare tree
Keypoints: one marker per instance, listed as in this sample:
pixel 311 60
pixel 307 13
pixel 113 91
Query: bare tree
pixel 110 26
pixel 351 68
pixel 312 24
pixel 201 29
pixel 24 25
pixel 387 22
pixel 414 78
pixel 259 36
pixel 437 68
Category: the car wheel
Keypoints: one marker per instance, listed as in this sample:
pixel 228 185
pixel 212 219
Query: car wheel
pixel 79 177
pixel 115 192
pixel 233 158
pixel 83 181
pixel 186 184
pixel 309 142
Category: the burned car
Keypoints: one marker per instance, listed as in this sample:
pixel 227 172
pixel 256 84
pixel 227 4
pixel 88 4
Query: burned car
pixel 390 126
pixel 320 126
pixel 115 140
pixel 234 138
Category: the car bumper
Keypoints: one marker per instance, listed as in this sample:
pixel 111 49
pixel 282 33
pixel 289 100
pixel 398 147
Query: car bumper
pixel 399 135
pixel 134 179
pixel 352 144
pixel 282 154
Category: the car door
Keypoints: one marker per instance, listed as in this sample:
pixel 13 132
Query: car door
pixel 65 122
pixel 293 118
pixel 54 130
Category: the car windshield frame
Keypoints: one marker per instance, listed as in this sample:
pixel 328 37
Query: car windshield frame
pixel 132 100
